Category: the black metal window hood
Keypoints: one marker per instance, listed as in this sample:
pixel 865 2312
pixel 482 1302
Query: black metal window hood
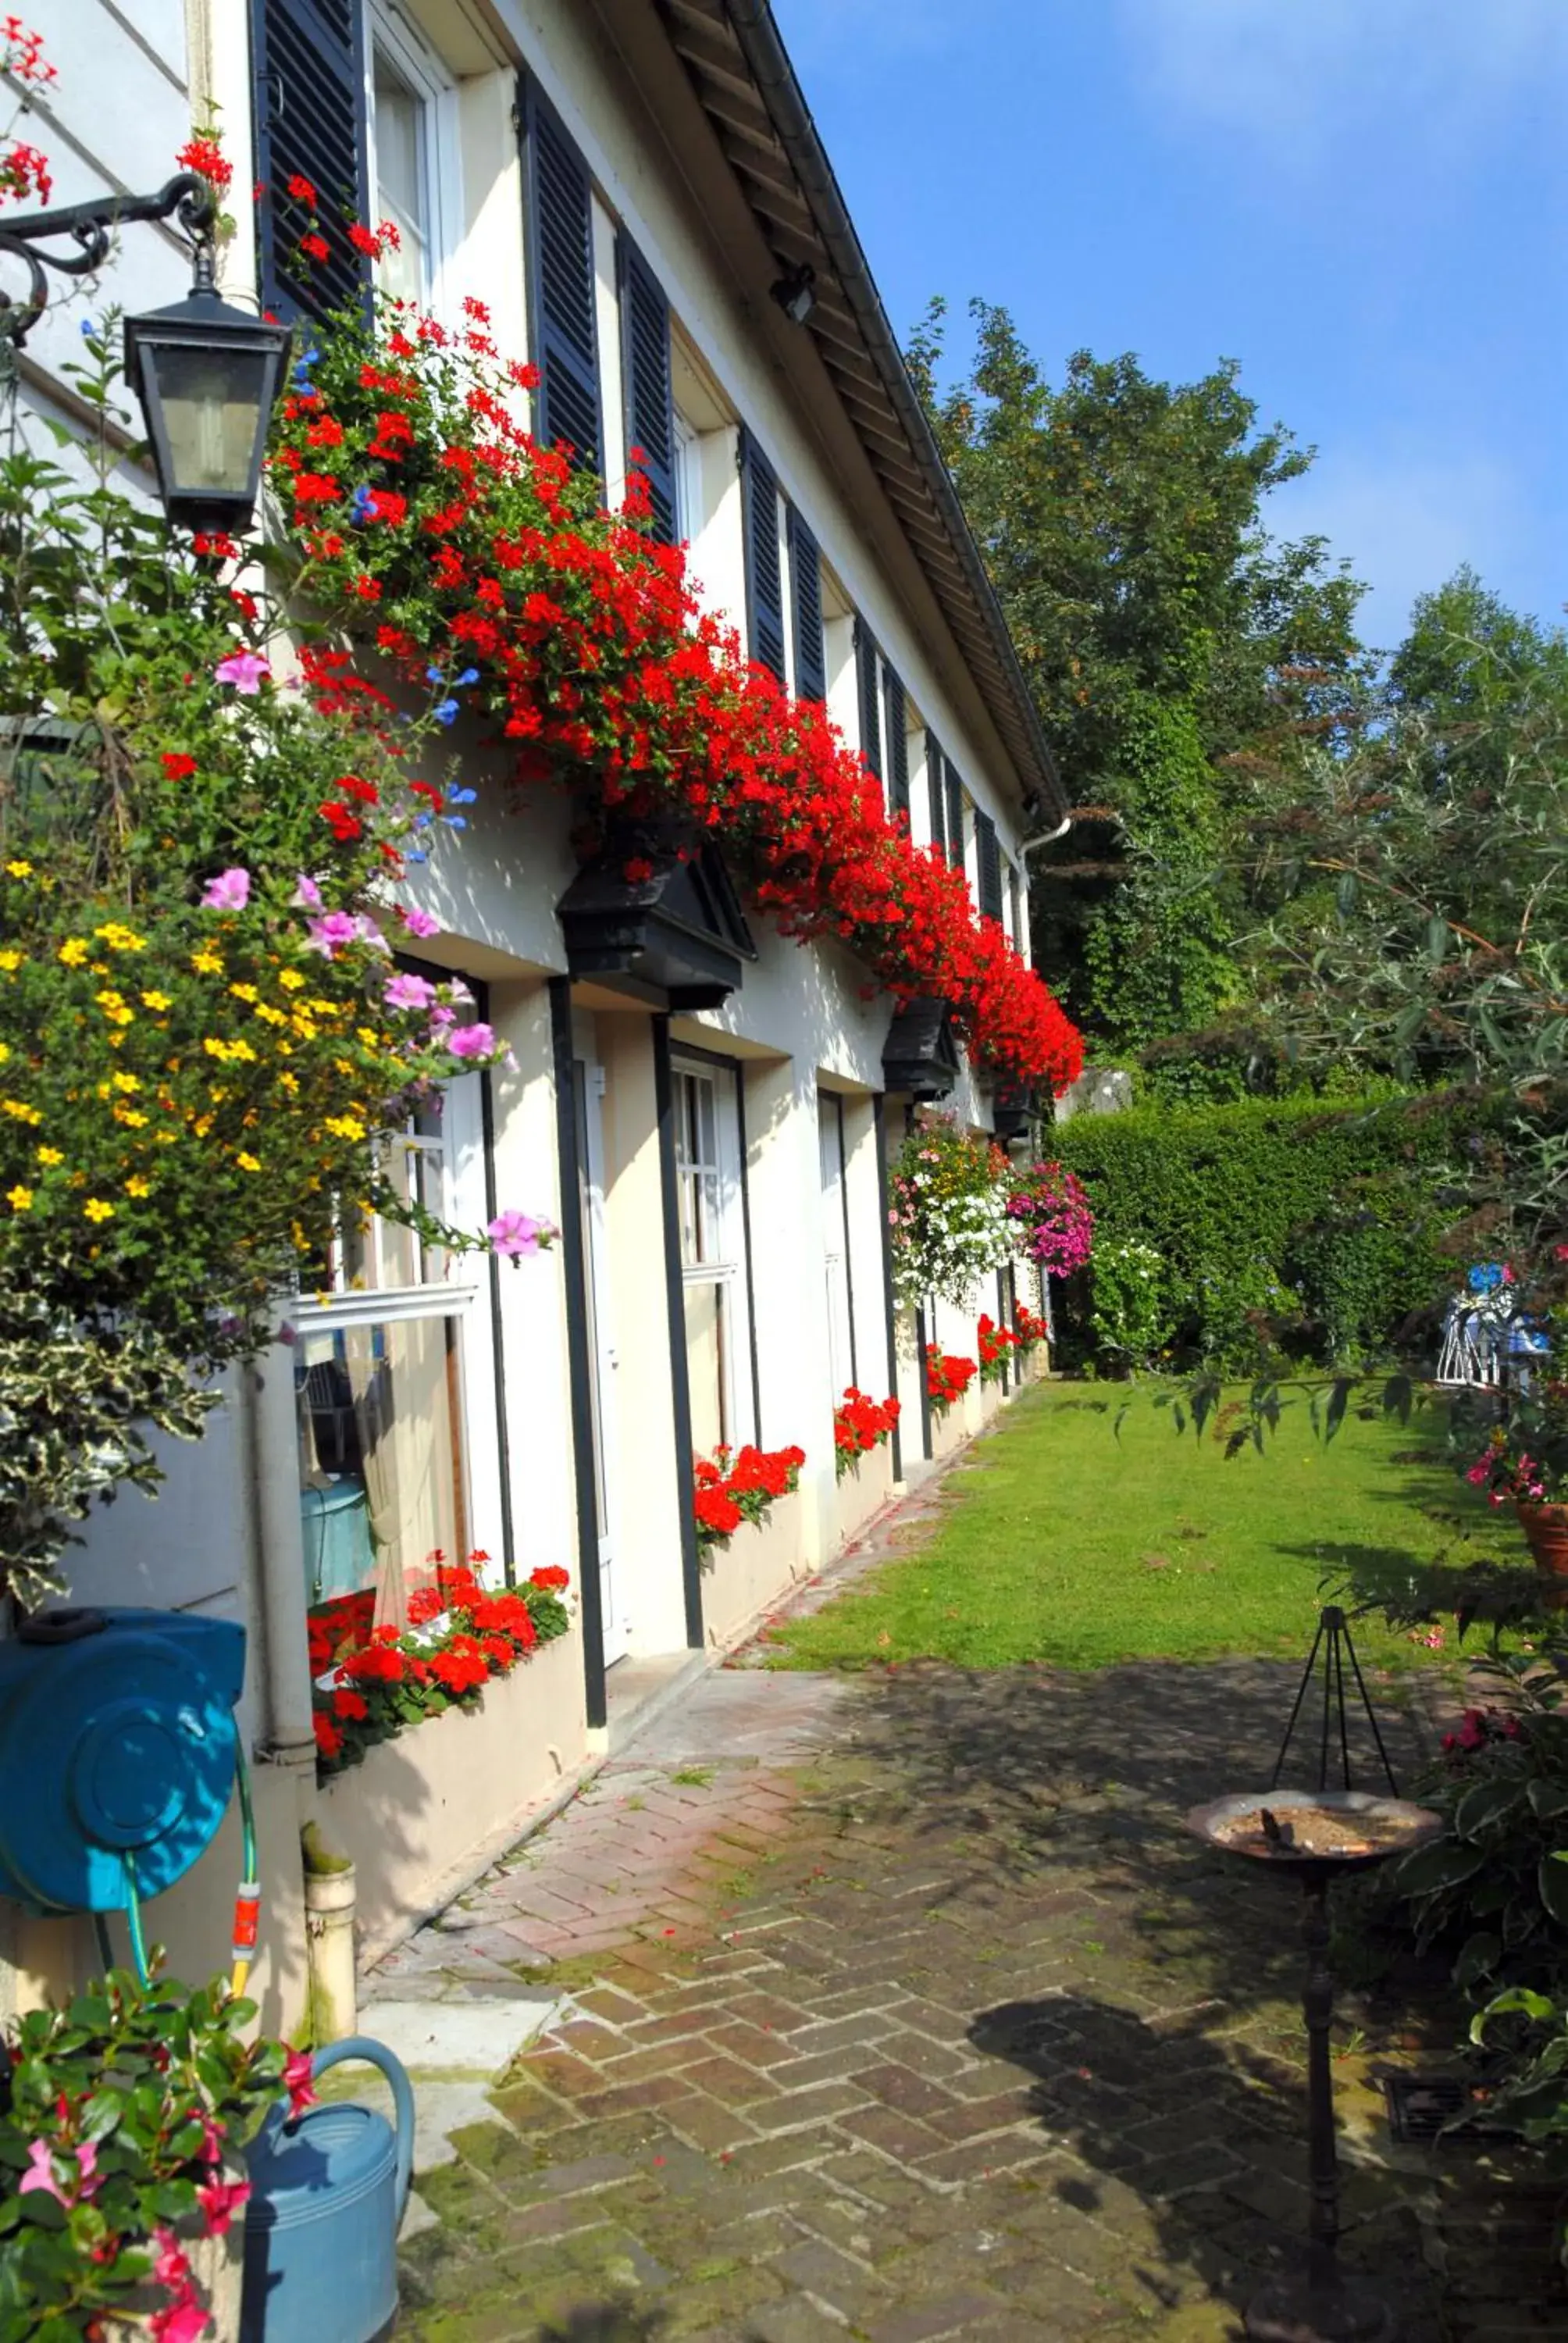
pixel 658 918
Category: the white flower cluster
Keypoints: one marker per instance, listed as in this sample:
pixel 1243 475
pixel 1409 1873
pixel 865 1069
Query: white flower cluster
pixel 944 1244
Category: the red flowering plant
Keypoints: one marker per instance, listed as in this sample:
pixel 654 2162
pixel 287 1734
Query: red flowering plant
pixel 996 1345
pixel 1030 1328
pixel 25 173
pixel 423 513
pixel 859 1424
pixel 730 1488
pixel 372 1682
pixel 1050 1210
pixel 946 1380
pixel 123 2114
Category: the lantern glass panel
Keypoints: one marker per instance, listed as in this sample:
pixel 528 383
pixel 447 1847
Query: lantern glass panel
pixel 212 401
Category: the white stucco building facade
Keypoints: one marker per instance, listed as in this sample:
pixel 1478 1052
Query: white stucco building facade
pixel 713 1148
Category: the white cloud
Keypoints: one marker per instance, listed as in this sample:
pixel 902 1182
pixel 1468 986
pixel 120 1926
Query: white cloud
pixel 1406 522
pixel 1304 81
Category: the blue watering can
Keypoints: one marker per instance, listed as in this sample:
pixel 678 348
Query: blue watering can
pixel 327 2193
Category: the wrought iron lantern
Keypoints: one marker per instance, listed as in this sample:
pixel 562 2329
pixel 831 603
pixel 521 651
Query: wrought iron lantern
pixel 207 374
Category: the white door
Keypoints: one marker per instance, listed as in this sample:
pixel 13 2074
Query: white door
pixel 588 1085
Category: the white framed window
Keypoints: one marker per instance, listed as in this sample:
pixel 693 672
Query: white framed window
pixel 394 1380
pixel 713 1255
pixel 836 1246
pixel 413 158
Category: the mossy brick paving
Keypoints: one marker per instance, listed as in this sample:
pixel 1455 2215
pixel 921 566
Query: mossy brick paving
pixel 982 2045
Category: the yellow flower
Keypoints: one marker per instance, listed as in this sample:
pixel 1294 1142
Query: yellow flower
pixel 323 1008
pixel 165 1138
pixel 114 1007
pixel 73 951
pixel 10 962
pixel 206 962
pixel 304 1028
pixel 344 1126
pixel 97 1208
pixel 219 1050
pixel 20 1199
pixel 247 1162
pixel 290 1082
pixel 202 1125
pixel 269 1014
pixel 5 1051
pixel 20 1109
pixel 365 1034
pixel 120 937
pixel 20 870
pixel 131 1118
pixel 245 991
pixel 156 1000
pixel 290 979
pixel 126 1083
pixel 50 1155
pixel 138 1185
pixel 243 1051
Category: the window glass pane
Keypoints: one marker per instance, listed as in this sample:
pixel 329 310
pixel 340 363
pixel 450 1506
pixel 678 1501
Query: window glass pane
pixel 402 180
pixel 373 1254
pixel 705 1310
pixel 380 1458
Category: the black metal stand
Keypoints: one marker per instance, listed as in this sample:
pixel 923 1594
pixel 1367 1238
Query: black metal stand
pixel 1333 1640
pixel 1320 2305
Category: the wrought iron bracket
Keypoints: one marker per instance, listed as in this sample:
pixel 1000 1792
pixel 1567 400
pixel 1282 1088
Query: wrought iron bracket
pixel 90 227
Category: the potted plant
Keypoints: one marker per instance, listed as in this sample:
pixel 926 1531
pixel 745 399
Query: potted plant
pixel 123 2119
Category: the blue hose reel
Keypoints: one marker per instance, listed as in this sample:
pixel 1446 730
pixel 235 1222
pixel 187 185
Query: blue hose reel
pixel 117 1753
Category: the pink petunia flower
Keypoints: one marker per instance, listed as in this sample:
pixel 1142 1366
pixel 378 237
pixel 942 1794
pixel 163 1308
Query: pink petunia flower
pixel 229 892
pixel 333 929
pixel 471 1041
pixel 419 924
pixel 515 1233
pixel 406 991
pixel 247 670
pixel 307 896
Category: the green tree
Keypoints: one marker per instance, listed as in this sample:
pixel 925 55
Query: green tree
pixel 1175 652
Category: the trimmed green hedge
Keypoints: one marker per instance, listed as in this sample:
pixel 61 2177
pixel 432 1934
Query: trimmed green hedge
pixel 1283 1226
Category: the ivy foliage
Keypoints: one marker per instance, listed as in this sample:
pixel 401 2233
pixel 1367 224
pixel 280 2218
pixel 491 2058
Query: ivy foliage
pixel 1281 1227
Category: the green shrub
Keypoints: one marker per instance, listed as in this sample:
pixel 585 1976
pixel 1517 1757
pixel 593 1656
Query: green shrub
pixel 1286 1228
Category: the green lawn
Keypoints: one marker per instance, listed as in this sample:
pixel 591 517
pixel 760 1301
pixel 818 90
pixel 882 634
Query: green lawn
pixel 1061 1543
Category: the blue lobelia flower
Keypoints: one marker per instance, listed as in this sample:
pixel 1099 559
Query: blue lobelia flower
pixel 469 674
pixel 359 509
pixel 461 796
pixel 444 711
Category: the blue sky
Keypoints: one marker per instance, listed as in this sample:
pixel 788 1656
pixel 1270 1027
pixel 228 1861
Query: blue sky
pixel 1364 201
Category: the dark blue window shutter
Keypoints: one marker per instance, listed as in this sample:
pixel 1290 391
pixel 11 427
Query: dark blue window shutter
pixel 1014 906
pixel 562 326
pixel 988 866
pixel 936 789
pixel 805 582
pixel 955 823
pixel 897 716
pixel 309 59
pixel 764 575
pixel 866 686
pixel 649 398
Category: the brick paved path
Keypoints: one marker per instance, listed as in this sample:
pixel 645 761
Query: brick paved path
pixel 905 2010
